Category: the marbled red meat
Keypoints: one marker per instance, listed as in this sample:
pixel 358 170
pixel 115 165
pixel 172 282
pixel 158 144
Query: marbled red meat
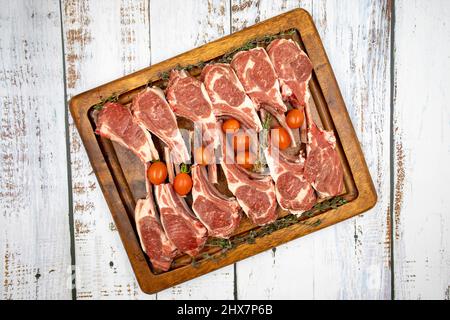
pixel 188 98
pixel 154 240
pixel 115 122
pixel 254 193
pixel 185 231
pixel 293 69
pixel 257 75
pixel 228 96
pixel 153 113
pixel 220 215
pixel 294 192
pixel 323 166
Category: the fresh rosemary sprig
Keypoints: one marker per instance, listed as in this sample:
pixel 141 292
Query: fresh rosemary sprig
pixel 260 163
pixel 287 221
pixel 263 41
pixel 226 58
pixel 218 242
pixel 164 75
pixel 189 67
pixel 113 98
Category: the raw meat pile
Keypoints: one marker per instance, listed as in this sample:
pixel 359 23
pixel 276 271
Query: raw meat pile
pixel 256 82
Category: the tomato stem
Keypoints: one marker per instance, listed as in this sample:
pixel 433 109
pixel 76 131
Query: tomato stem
pixel 185 168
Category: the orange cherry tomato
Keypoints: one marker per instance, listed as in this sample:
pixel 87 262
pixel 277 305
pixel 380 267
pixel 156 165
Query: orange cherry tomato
pixel 231 126
pixel 280 138
pixel 182 183
pixel 245 159
pixel 241 141
pixel 157 172
pixel 202 156
pixel 294 118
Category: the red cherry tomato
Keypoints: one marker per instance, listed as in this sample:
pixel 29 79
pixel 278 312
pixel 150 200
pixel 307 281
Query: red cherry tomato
pixel 245 159
pixel 202 156
pixel 182 183
pixel 157 172
pixel 231 126
pixel 241 141
pixel 294 118
pixel 280 138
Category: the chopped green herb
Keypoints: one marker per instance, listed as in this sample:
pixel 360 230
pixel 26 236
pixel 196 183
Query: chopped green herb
pixel 113 98
pixel 287 221
pixel 226 58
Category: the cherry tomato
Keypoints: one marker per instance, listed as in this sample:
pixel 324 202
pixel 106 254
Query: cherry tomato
pixel 202 156
pixel 231 126
pixel 245 159
pixel 294 118
pixel 182 183
pixel 157 172
pixel 280 138
pixel 241 141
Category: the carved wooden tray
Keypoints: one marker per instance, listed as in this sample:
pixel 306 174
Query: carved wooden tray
pixel 121 174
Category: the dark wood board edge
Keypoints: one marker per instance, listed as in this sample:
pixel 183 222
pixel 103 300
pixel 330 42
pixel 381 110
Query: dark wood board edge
pixel 364 199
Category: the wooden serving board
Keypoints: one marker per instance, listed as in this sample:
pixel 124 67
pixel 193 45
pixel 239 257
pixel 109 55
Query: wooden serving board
pixel 121 174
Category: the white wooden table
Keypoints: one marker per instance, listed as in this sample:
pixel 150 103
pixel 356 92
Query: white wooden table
pixel 392 61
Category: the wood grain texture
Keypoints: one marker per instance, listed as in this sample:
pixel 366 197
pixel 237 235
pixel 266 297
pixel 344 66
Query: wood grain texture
pixel 269 274
pixel 34 208
pixel 422 150
pixel 103 40
pixel 357 36
pixel 174 31
pixel 360 191
pixel 349 260
pixel 106 39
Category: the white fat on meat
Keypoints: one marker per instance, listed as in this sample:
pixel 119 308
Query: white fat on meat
pixel 294 193
pixel 323 167
pixel 293 68
pixel 153 113
pixel 228 96
pixel 189 99
pixel 220 215
pixel 182 228
pixel 261 83
pixel 115 122
pixel 154 240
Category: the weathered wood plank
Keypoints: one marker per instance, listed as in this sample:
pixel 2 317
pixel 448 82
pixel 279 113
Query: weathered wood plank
pixel 103 40
pixel 349 260
pixel 175 30
pixel 34 207
pixel 269 275
pixel 422 150
pixel 363 71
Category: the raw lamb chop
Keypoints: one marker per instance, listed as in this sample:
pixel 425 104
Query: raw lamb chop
pixel 116 123
pixel 228 96
pixel 293 191
pixel 154 114
pixel 154 241
pixel 323 167
pixel 219 214
pixel 294 70
pixel 182 228
pixel 255 196
pixel 188 98
pixel 255 193
pixel 257 75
